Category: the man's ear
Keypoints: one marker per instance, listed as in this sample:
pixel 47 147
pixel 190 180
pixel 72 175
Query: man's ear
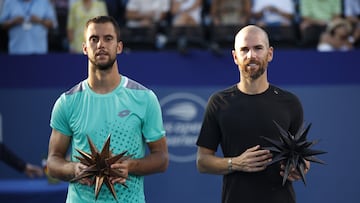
pixel 234 57
pixel 84 48
pixel 119 47
pixel 270 54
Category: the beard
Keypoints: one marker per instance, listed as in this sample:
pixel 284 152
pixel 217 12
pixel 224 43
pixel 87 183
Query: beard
pixel 103 66
pixel 254 74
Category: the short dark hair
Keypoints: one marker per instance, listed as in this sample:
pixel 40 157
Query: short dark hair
pixel 105 19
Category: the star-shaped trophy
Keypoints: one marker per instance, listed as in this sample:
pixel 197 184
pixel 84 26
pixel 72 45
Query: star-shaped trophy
pixel 98 166
pixel 293 150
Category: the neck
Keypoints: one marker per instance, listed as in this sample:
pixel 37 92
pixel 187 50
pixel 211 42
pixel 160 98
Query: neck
pixel 252 87
pixel 104 81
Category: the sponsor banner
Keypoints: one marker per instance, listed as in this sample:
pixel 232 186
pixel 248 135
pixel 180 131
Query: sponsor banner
pixel 183 111
pixel 182 115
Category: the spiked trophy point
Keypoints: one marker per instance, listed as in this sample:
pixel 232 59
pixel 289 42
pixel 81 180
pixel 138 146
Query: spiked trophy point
pixel 98 166
pixel 293 150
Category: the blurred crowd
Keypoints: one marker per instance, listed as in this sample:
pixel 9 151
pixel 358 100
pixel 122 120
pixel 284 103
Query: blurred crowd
pixel 42 26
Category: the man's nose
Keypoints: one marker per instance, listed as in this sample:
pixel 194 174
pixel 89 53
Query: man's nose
pixel 251 53
pixel 100 43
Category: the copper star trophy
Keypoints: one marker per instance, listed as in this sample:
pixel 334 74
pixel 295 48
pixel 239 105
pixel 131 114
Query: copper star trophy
pixel 98 166
pixel 293 150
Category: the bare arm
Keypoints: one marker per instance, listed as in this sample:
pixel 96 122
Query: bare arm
pixel 208 162
pixel 44 22
pixel 252 160
pixel 57 164
pixel 155 162
pixel 274 9
pixel 65 170
pixel 33 170
pixel 195 6
pixel 16 162
pixel 13 22
pixel 214 11
pixel 175 6
pixel 135 15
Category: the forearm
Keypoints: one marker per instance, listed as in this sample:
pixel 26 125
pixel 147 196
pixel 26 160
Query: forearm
pixel 195 6
pixel 213 165
pixel 134 15
pixel 60 168
pixel 11 23
pixel 47 23
pixel 288 16
pixel 314 21
pixel 155 162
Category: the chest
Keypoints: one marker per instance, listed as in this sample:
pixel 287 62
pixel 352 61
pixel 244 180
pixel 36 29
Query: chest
pixel 90 115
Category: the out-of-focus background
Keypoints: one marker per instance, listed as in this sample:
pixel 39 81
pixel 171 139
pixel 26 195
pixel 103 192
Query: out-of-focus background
pixel 316 56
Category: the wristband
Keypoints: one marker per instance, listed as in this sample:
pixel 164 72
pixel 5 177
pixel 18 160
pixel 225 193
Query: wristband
pixel 230 165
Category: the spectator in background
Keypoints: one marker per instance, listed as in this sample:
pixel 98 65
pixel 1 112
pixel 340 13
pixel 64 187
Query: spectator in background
pixel 57 37
pixel 1 5
pixel 227 17
pixel 116 9
pixel 337 36
pixel 151 15
pixel 315 15
pixel 273 13
pixel 28 23
pixel 80 11
pixel 277 18
pixel 14 161
pixel 230 12
pixel 186 21
pixel 352 13
pixel 186 12
pixel 3 33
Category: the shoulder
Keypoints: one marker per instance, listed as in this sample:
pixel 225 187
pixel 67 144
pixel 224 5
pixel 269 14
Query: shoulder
pixel 283 93
pixel 137 90
pixel 279 90
pixel 70 94
pixel 133 85
pixel 223 96
pixel 80 87
pixel 226 92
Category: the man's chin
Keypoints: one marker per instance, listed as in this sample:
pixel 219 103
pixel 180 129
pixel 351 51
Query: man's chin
pixel 104 67
pixel 256 74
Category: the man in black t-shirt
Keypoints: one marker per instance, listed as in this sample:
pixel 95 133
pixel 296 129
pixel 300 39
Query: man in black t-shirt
pixel 236 118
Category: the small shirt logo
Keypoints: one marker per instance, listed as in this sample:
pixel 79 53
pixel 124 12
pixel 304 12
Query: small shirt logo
pixel 123 113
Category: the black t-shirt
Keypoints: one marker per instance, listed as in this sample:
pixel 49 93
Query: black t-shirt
pixel 236 121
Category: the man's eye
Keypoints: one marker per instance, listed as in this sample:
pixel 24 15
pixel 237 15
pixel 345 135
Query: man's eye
pixel 94 39
pixel 244 50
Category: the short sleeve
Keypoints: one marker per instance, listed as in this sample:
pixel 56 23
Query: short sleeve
pixel 153 128
pixel 59 117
